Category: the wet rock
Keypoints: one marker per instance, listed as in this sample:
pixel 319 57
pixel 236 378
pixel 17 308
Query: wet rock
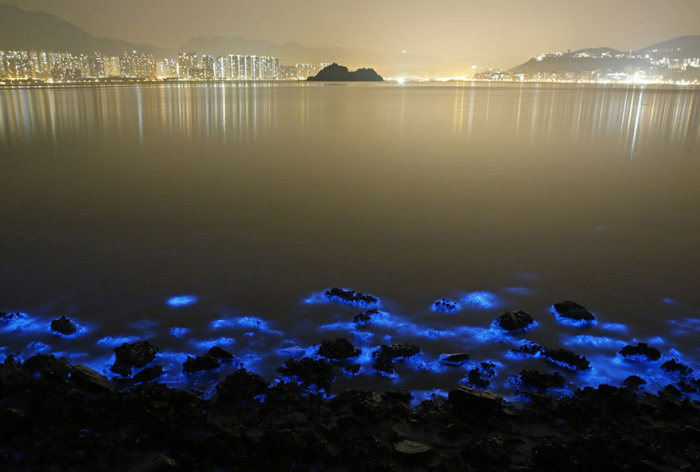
pixel 477 379
pixel 64 326
pixel 688 387
pixel 386 356
pixel 633 382
pixel 241 386
pixel 48 366
pixel 488 368
pixel 148 374
pixel 641 350
pixel 200 364
pixel 365 318
pixel 444 305
pixel 514 320
pixel 13 378
pixel 527 349
pixel 337 349
pixel 541 381
pixel 455 359
pixel 309 371
pixel 623 399
pixel 566 359
pixel 130 355
pixel 7 317
pixel 473 401
pixel 350 296
pixel 412 449
pixel 90 380
pixel 675 366
pixel 220 353
pixel 573 311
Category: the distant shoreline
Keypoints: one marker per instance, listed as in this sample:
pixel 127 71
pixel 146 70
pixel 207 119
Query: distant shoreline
pixel 390 82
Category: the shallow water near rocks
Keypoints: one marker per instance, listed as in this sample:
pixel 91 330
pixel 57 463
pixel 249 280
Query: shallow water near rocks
pixel 251 198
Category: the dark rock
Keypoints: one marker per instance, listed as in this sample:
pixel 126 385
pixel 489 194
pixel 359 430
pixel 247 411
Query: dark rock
pixel 476 379
pixel 633 382
pixel 688 387
pixel 675 366
pixel 385 357
pixel 641 349
pixel 309 371
pixel 573 311
pixel 130 355
pixel 514 320
pixel 455 359
pixel 364 318
pixel 566 359
pixel 413 449
pixel 13 378
pixel 148 374
pixel 154 463
pixel 48 366
pixel 200 364
pixel 339 348
pixel 472 401
pixel 488 368
pixel 241 386
pixel 6 317
pixel 444 305
pixel 220 353
pixel 350 296
pixel 64 326
pixel 540 380
pixel 527 349
pixel 623 399
pixel 90 380
pixel 338 73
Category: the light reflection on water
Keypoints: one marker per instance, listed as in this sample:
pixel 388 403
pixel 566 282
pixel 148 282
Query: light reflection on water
pixel 254 196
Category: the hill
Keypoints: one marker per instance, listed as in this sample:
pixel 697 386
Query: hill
pixel 29 30
pixel 338 73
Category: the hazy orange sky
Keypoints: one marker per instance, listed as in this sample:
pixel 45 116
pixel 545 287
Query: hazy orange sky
pixel 496 32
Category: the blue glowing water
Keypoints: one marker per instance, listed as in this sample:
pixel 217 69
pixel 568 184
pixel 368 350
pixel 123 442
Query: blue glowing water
pixel 181 301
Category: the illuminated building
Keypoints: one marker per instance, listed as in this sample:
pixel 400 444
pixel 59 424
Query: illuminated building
pixel 112 67
pixel 186 63
pixel 167 69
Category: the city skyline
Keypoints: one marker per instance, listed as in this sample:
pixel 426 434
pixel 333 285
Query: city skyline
pixel 500 34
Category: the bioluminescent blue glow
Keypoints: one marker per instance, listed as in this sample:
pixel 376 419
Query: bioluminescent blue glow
pixel 670 301
pixel 25 323
pixel 182 300
pixel 178 332
pixel 419 396
pixel 614 327
pixel 523 291
pixel 115 341
pixel 600 342
pixel 446 306
pixel 323 297
pixel 481 300
pixel 246 323
pixel 497 327
pixel 36 347
pixel 297 352
pixel 571 322
pixel 206 344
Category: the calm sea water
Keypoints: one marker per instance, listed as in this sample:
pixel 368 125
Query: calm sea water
pixel 252 197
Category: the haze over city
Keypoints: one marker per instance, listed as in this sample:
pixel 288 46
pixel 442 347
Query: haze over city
pixel 494 34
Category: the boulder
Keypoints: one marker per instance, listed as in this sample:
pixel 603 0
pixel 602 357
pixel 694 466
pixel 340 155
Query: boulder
pixel 541 381
pixel 64 326
pixel 573 311
pixel 350 296
pixel 241 386
pixel 130 355
pixel 641 350
pixel 473 401
pixel 477 379
pixel 90 380
pixel 200 364
pixel 412 449
pixel 148 374
pixel 566 359
pixel 220 353
pixel 385 357
pixel 514 320
pixel 339 348
pixel 633 382
pixel 527 349
pixel 48 366
pixel 675 366
pixel 309 371
pixel 364 318
pixel 456 359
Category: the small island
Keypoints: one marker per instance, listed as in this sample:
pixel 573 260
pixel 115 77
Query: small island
pixel 338 73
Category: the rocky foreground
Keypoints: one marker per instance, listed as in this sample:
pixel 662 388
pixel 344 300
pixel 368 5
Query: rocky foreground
pixel 55 416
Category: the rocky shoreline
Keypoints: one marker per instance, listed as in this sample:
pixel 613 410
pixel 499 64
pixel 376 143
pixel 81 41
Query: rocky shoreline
pixel 58 416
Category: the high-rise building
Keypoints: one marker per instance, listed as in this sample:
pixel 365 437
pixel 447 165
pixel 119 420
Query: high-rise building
pixel 167 68
pixel 186 62
pixel 112 67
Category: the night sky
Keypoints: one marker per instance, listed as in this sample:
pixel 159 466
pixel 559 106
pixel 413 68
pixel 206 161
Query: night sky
pixel 500 32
